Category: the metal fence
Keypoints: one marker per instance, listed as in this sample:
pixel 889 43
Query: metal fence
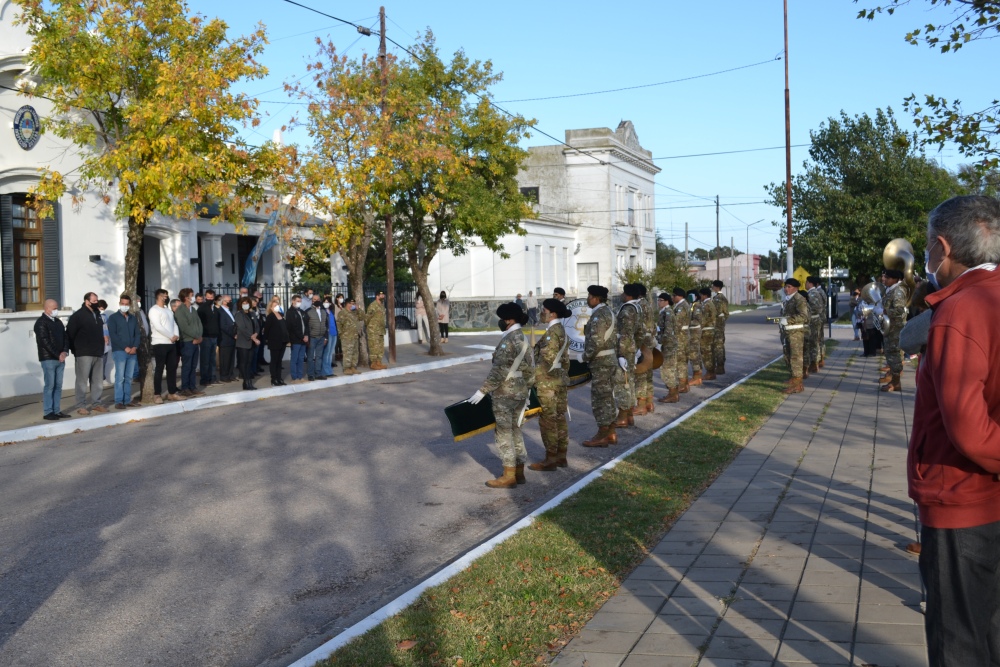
pixel 406 294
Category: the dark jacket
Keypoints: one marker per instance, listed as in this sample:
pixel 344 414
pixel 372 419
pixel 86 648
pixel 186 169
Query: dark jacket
pixel 209 314
pixel 227 328
pixel 276 332
pixel 246 325
pixel 298 325
pixel 123 332
pixel 50 336
pixel 86 333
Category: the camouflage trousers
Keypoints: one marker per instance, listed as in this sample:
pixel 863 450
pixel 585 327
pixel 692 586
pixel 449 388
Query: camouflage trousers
pixel 682 358
pixel 624 387
pixel 795 344
pixel 719 346
pixel 643 385
pixel 510 442
pixel 815 351
pixel 552 422
pixel 807 348
pixel 602 397
pixel 376 347
pixel 349 348
pixel 890 346
pixel 668 371
pixel 694 351
pixel 708 346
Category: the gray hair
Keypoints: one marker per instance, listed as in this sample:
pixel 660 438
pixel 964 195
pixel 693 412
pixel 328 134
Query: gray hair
pixel 972 226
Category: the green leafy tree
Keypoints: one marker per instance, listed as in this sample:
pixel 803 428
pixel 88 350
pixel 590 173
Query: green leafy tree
pixel 866 183
pixel 143 89
pixel 947 121
pixel 671 269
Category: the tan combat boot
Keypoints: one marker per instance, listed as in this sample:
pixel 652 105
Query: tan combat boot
pixel 623 418
pixel 709 375
pixel 673 396
pixel 885 378
pixel 884 369
pixel 683 388
pixel 602 439
pixel 695 379
pixel 720 370
pixel 561 458
pixel 794 387
pixel 893 384
pixel 640 406
pixel 519 473
pixel 813 368
pixel 551 462
pixel 649 405
pixel 505 481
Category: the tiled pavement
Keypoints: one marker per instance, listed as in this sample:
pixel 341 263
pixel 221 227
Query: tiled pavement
pixel 795 554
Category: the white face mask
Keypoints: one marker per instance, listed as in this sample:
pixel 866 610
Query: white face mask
pixel 326 303
pixel 931 275
pixel 340 301
pixel 124 308
pixel 246 306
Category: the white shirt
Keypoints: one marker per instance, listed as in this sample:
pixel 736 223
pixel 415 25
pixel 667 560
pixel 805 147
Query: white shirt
pixel 555 320
pixel 163 325
pixel 511 329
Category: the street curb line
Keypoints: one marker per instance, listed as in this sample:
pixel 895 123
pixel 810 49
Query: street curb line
pixel 406 599
pixel 232 398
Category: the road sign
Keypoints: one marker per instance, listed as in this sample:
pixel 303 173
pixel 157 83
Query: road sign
pixel 836 273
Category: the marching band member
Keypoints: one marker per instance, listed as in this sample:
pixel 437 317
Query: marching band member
pixel 551 379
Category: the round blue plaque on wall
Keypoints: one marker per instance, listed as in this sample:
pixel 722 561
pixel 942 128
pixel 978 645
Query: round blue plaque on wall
pixel 27 127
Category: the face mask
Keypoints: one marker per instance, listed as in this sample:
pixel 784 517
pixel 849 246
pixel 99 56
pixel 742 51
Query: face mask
pixel 138 304
pixel 280 309
pixel 931 275
pixel 326 304
pixel 296 304
pixel 315 304
pixel 353 307
pixel 123 308
pixel 502 325
pixel 340 301
pixel 246 306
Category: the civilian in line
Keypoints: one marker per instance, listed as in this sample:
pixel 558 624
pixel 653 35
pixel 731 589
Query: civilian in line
pixel 189 325
pixel 317 327
pixel 87 341
pixel 164 343
pixel 53 346
pixel 423 324
pixel 227 339
pixel 331 337
pixel 276 334
pixel 298 337
pixel 123 328
pixel 247 337
pixel 107 364
pixel 208 313
pixel 443 310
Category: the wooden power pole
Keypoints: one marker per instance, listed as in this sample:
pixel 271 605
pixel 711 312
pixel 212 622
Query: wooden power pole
pixel 390 271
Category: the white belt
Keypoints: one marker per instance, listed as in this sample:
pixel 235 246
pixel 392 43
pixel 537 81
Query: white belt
pixel 515 374
pixel 790 327
pixel 695 326
pixel 707 328
pixel 816 317
pixel 722 314
pixel 685 328
pixel 604 353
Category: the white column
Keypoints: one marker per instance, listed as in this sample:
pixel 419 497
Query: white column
pixel 211 254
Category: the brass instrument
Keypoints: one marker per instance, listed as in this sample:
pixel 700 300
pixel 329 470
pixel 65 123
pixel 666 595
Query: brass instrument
pixel 870 303
pixel 898 254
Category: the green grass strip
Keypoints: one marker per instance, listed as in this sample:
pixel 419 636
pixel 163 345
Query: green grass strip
pixel 524 600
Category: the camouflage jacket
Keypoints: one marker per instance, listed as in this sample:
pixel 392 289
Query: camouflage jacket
pixel 348 324
pixel 667 331
pixel 505 381
pixel 721 308
pixel 695 321
pixel 649 322
pixel 601 339
pixel 375 318
pixel 708 316
pixel 551 367
pixel 894 305
pixel 796 309
pixel 817 304
pixel 682 318
pixel 630 330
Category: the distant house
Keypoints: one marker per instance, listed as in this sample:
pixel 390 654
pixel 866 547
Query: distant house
pixel 595 205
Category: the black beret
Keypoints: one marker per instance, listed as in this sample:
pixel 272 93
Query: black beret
pixel 556 306
pixel 718 283
pixel 632 290
pixel 559 290
pixel 679 291
pixel 894 273
pixel 664 296
pixel 793 282
pixel 642 289
pixel 510 311
pixel 813 279
pixel 598 291
pixel 705 291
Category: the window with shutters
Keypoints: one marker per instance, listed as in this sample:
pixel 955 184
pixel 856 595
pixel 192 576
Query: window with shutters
pixel 29 258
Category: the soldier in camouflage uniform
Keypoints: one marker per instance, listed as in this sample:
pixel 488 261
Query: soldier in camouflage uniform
pixel 667 334
pixel 644 381
pixel 708 318
pixel 349 333
pixel 795 310
pixel 894 304
pixel 600 351
pixel 509 385
pixel 722 314
pixel 551 380
pixel 630 328
pixel 694 340
pixel 375 326
pixel 817 309
pixel 682 325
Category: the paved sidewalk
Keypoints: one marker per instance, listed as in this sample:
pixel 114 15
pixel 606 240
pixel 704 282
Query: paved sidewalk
pixel 796 553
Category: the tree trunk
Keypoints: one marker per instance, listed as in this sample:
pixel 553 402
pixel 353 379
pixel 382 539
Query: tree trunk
pixel 420 277
pixel 354 258
pixel 133 250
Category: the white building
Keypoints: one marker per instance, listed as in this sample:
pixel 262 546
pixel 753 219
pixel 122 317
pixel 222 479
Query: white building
pixel 595 205
pixel 741 276
pixel 82 248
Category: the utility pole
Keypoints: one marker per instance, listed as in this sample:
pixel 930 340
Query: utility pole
pixel 390 270
pixel 685 243
pixel 718 245
pixel 788 156
pixel 732 258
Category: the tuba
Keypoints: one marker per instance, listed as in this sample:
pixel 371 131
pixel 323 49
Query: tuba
pixel 871 303
pixel 898 254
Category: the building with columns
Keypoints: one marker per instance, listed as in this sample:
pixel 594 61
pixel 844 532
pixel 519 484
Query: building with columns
pixel 595 203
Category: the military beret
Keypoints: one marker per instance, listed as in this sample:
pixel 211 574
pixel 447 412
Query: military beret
pixel 705 291
pixel 813 280
pixel 894 273
pixel 559 290
pixel 679 291
pixel 510 311
pixel 556 306
pixel 642 289
pixel 598 291
pixel 632 290
pixel 664 296
pixel 718 283
pixel 793 282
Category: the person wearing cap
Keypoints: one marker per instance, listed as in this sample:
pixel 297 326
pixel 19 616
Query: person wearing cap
pixel 375 326
pixel 694 339
pixel 629 326
pixel 600 351
pixel 644 380
pixel 897 295
pixel 722 315
pixel 551 381
pixel 349 331
pixel 682 325
pixel 817 309
pixel 795 312
pixel 559 294
pixel 509 386
pixel 708 318
pixel 667 337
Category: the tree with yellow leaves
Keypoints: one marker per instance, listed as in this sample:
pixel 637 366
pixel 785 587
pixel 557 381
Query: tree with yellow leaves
pixel 144 89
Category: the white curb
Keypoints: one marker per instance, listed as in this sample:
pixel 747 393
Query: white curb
pixel 65 427
pixel 409 597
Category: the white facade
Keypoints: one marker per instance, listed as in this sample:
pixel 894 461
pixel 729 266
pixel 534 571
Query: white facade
pixel 741 276
pixel 595 210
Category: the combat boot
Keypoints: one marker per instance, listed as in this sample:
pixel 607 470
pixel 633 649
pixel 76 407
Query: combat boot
pixel 622 419
pixel 605 436
pixel 709 375
pixel 720 370
pixel 519 473
pixel 683 388
pixel 885 378
pixel 813 368
pixel 649 405
pixel 884 369
pixel 893 384
pixel 640 407
pixel 505 481
pixel 672 396
pixel 695 379
pixel 561 458
pixel 794 387
pixel 822 362
pixel 551 462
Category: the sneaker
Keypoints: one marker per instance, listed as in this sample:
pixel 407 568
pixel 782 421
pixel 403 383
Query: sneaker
pixel 184 392
pixel 175 397
pixel 83 412
pixel 197 392
pixel 119 406
pixel 51 417
pixel 134 404
pixel 98 408
pixel 157 400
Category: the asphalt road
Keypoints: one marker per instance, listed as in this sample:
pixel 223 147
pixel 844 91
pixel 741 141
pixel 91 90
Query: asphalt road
pixel 247 536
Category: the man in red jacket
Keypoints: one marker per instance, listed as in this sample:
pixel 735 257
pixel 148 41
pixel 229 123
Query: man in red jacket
pixel 953 466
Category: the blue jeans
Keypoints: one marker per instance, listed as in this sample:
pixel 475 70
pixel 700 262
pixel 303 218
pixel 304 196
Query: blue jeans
pixel 331 346
pixel 52 376
pixel 124 372
pixel 298 361
pixel 208 346
pixel 316 357
pixel 189 356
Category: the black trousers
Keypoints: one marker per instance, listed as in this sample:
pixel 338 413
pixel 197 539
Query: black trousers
pixel 276 354
pixel 227 357
pixel 443 329
pixel 245 357
pixel 961 572
pixel 872 341
pixel 165 355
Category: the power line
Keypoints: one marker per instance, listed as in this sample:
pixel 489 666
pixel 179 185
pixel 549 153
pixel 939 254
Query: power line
pixel 644 85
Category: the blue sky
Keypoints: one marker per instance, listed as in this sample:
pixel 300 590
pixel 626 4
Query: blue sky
pixel 557 48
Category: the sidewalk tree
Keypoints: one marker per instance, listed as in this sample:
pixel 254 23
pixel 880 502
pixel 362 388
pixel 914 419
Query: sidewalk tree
pixel 459 156
pixel 866 183
pixel 143 89
pixel 946 121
